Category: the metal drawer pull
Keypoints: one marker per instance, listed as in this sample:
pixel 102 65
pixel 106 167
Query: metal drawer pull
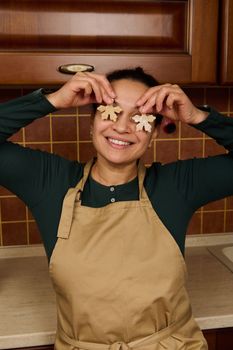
pixel 74 68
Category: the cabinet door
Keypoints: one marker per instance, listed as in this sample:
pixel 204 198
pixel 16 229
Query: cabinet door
pixel 175 40
pixel 210 336
pixel 224 339
pixel 226 45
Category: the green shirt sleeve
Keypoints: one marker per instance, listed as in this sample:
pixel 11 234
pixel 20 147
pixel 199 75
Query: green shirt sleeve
pixel 218 127
pixel 23 171
pixel 21 111
pixel 178 189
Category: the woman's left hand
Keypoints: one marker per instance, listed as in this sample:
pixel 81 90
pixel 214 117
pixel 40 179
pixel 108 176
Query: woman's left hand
pixel 170 101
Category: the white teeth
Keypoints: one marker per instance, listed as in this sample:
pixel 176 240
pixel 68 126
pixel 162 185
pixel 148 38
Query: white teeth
pixel 118 142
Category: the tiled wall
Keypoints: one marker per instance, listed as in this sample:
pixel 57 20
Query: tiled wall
pixel 67 133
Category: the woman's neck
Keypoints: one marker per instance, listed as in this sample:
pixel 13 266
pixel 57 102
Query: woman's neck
pixel 108 174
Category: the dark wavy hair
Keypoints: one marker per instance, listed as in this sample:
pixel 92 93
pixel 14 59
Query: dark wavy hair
pixel 135 74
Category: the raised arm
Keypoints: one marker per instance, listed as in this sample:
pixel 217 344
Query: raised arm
pixel 28 173
pixel 198 180
pixel 81 89
pixel 21 111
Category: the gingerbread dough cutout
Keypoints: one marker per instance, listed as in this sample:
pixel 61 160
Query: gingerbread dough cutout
pixel 143 121
pixel 109 112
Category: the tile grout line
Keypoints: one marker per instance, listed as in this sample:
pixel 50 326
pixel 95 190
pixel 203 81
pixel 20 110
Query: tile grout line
pixel 17 221
pixel 26 210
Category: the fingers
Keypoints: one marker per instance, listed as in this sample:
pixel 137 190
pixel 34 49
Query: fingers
pixel 106 84
pixel 159 96
pixel 95 83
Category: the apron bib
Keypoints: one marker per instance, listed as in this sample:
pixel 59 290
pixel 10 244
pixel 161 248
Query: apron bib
pixel 119 278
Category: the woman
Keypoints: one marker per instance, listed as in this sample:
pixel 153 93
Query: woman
pixel 114 231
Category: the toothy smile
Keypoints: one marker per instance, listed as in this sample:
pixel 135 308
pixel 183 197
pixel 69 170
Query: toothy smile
pixel 118 142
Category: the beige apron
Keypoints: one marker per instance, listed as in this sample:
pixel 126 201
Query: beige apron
pixel 119 278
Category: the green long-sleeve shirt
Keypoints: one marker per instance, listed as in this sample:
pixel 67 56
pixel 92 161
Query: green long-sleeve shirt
pixel 176 190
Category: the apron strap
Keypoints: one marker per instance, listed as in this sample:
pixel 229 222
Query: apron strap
pixel 72 196
pixel 141 176
pixel 139 344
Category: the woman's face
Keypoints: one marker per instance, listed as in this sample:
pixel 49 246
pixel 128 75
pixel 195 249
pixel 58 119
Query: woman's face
pixel 118 142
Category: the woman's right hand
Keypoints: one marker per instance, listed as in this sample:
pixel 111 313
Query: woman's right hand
pixel 82 89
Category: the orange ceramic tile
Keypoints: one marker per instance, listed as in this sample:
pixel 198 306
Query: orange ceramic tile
pixel 164 135
pixel 64 129
pixel 229 221
pixel 84 128
pixel 194 226
pixel 216 205
pixel 5 192
pixel 85 110
pixel 66 150
pixel 66 112
pixel 46 147
pixel 30 216
pixel 86 151
pixel 14 234
pixel 34 234
pixel 218 97
pixel 213 222
pixel 166 151
pixel 148 157
pixel 38 131
pixel 12 209
pixel 211 148
pixel 196 95
pixel 190 149
pixel 229 202
pixel 188 131
pixel 17 137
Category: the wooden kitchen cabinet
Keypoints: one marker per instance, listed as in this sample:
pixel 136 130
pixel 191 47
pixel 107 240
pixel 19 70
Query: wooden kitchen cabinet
pixel 226 43
pixel 219 339
pixel 175 40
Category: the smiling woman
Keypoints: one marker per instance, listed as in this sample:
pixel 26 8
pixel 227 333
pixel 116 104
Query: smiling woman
pixel 114 231
pixel 118 142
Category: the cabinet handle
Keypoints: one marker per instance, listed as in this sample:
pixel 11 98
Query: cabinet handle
pixel 74 68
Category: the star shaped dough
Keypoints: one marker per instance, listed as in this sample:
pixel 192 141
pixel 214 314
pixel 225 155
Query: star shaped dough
pixel 143 121
pixel 109 112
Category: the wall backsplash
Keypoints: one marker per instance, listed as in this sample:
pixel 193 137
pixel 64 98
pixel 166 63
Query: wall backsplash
pixel 67 133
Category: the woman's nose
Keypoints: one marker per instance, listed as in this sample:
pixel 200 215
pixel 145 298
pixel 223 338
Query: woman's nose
pixel 122 124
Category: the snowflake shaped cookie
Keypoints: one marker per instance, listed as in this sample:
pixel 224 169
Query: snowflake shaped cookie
pixel 143 121
pixel 109 112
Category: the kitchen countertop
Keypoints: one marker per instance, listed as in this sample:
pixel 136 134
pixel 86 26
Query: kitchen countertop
pixel 27 300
